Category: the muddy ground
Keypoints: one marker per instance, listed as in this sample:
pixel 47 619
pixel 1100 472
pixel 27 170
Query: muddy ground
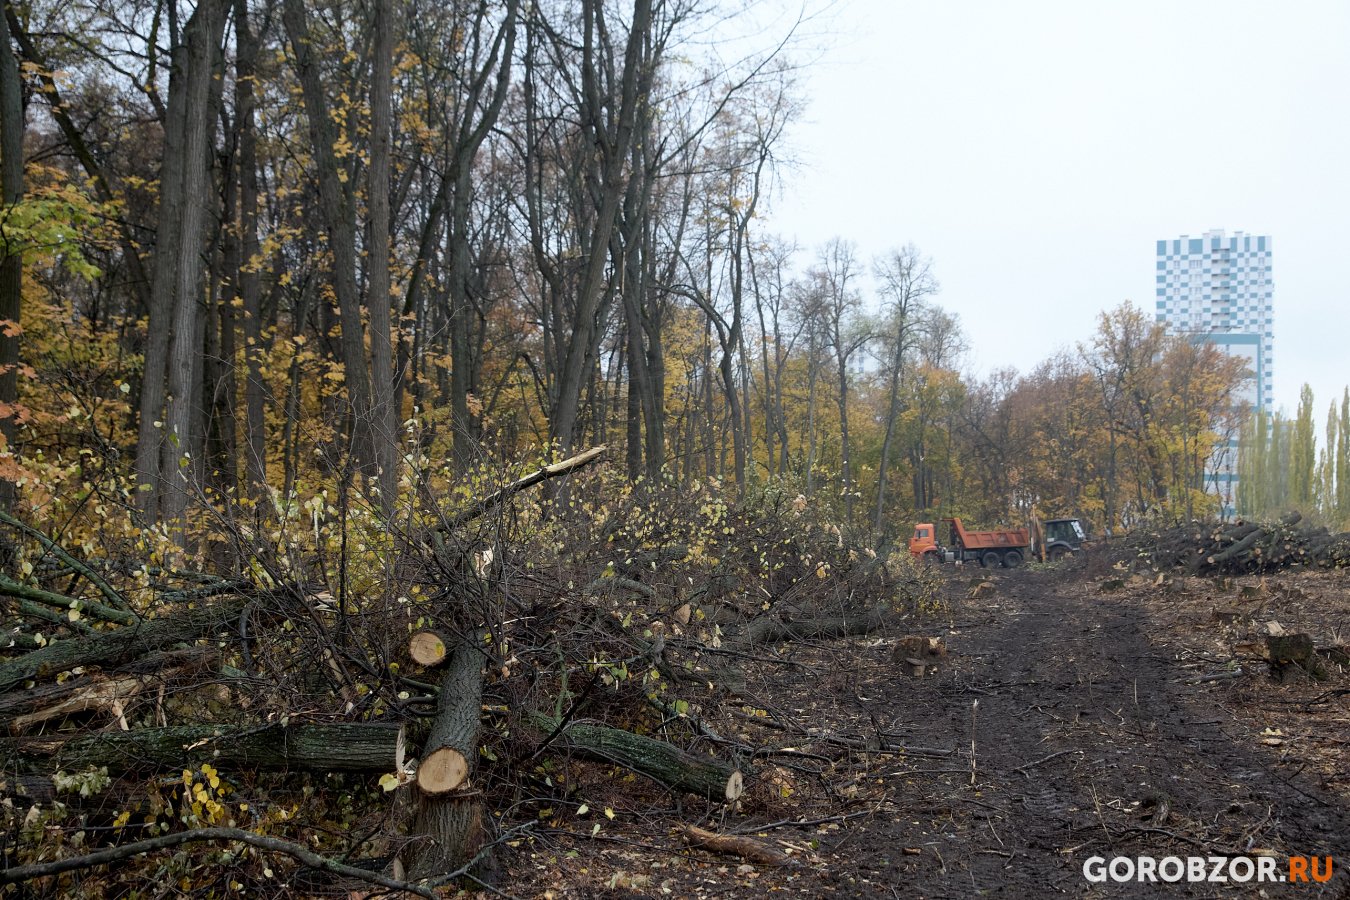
pixel 1075 716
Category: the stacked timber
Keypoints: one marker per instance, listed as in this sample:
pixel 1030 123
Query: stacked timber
pixel 1237 548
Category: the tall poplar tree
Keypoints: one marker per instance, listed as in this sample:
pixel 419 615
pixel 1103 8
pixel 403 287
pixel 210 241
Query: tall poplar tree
pixel 1303 453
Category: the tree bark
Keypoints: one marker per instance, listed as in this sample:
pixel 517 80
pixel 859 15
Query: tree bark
pixel 351 747
pixel 614 143
pixel 109 647
pixel 679 770
pixel 12 130
pixel 181 263
pixel 453 823
pixel 736 845
pixel 384 418
pixel 246 279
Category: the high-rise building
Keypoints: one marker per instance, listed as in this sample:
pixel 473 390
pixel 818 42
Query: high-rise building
pixel 1218 288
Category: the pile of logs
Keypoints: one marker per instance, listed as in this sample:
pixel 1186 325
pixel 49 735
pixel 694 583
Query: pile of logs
pixel 1236 548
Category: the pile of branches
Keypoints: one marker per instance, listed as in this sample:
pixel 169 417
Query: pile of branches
pixel 404 739
pixel 1237 548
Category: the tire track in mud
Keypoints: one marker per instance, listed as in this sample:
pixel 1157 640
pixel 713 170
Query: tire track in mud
pixel 1081 729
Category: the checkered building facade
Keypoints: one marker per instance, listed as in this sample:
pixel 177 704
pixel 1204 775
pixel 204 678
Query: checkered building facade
pixel 1219 288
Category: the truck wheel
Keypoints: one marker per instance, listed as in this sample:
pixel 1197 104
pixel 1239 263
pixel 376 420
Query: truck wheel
pixel 1058 553
pixel 1012 559
pixel 989 560
pixel 932 558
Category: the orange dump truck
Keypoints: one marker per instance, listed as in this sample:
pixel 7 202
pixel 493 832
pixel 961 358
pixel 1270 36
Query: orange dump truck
pixel 1001 547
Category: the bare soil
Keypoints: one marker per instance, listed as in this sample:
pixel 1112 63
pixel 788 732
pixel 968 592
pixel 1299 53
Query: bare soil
pixel 1068 721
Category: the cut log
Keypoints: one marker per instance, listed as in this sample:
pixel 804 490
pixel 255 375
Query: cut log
pixel 611 583
pixel 746 848
pixel 677 769
pixel 1237 549
pixel 769 629
pixel 427 648
pixel 915 668
pixel 442 771
pixel 161 665
pixel 28 790
pixel 77 605
pixel 451 824
pixel 122 643
pixel 735 787
pixel 368 747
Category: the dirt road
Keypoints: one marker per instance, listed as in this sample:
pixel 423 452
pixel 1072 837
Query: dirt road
pixel 1092 737
pixel 1082 726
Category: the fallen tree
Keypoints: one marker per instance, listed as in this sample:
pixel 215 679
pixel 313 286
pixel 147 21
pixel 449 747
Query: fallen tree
pixel 668 765
pixel 338 747
pixel 121 644
pixel 653 601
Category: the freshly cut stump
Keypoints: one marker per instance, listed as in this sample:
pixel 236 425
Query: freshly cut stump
pixel 444 770
pixel 427 648
pixel 735 787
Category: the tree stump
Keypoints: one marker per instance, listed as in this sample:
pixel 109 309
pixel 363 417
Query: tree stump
pixel 427 648
pixel 1290 653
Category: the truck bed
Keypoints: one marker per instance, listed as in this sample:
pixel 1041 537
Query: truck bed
pixel 998 539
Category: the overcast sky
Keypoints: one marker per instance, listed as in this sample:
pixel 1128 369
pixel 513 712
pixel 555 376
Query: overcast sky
pixel 1037 150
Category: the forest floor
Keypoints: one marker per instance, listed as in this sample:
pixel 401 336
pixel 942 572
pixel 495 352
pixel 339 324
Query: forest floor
pixel 1075 716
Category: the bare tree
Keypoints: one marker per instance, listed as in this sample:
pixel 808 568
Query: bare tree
pixel 768 265
pixel 847 333
pixel 906 280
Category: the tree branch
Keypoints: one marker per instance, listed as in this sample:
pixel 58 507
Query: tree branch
pixel 136 848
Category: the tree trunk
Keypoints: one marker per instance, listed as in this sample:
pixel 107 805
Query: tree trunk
pixel 679 770
pixel 336 206
pixel 844 454
pixel 452 825
pixel 168 243
pixel 182 413
pixel 246 279
pixel 12 130
pixel 351 747
pixel 384 418
pixel 614 149
pixel 122 643
pixel 892 413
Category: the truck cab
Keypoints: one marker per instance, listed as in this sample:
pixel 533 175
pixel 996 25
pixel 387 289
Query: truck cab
pixel 1063 537
pixel 924 542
